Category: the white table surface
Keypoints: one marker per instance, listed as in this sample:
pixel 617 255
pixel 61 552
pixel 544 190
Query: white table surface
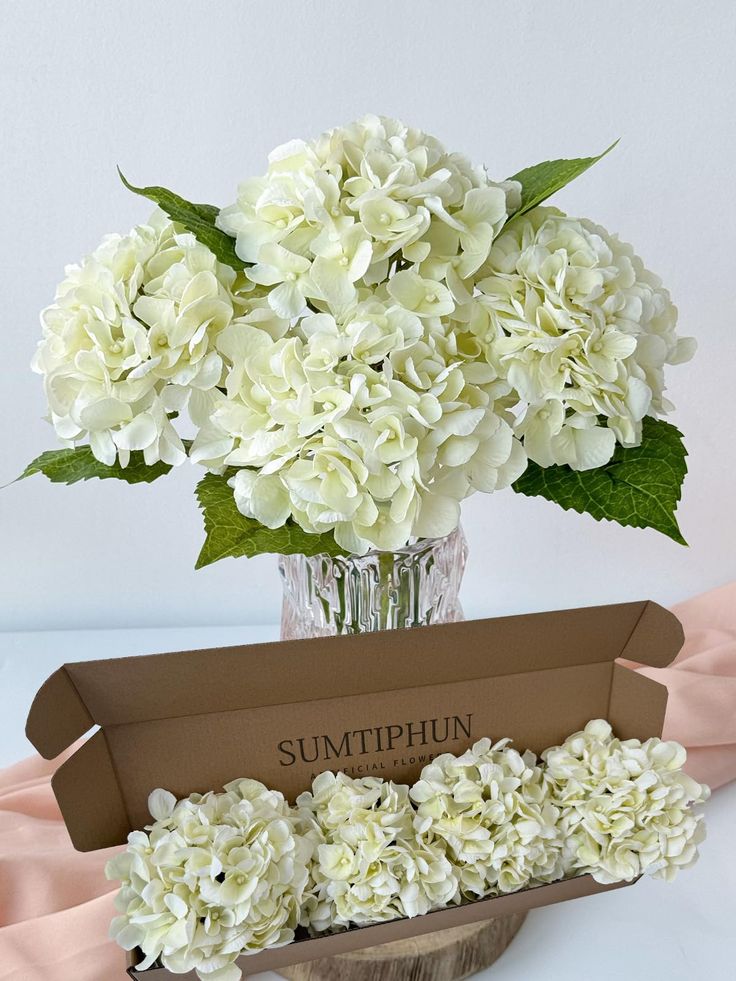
pixel 653 931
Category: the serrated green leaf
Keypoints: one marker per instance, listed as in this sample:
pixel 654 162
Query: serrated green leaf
pixel 640 487
pixel 69 466
pixel 196 218
pixel 229 534
pixel 544 179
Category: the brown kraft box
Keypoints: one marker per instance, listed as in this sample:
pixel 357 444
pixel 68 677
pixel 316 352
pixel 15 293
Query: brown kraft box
pixel 379 704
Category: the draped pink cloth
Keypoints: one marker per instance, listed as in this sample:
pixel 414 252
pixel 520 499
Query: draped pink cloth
pixel 701 685
pixel 56 906
pixel 55 903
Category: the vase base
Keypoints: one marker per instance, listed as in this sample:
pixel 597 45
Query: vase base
pixel 448 955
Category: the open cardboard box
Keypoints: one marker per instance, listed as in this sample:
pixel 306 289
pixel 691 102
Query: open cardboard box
pixel 376 703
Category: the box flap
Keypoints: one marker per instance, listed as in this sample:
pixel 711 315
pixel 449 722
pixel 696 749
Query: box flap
pixel 656 639
pixel 381 703
pixel 87 787
pixel 58 715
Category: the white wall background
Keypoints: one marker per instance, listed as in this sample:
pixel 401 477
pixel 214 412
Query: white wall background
pixel 193 95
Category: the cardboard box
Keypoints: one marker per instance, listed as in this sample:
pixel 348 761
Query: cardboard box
pixel 376 703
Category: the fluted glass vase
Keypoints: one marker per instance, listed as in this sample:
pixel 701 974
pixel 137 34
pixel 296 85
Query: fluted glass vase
pixel 414 586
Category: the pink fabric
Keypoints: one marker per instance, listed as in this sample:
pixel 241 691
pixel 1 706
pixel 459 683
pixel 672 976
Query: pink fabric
pixel 55 903
pixel 701 684
pixel 56 906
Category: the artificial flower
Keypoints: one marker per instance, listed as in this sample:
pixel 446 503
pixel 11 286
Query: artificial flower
pixel 625 805
pixel 370 865
pixel 215 876
pixel 491 807
pixel 370 417
pixel 582 331
pixel 131 334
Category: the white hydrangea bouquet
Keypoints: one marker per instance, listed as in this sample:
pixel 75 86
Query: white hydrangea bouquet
pixel 219 875
pixel 373 331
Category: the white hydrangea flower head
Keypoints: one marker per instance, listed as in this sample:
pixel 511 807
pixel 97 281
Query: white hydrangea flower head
pixel 370 865
pixel 215 876
pixel 626 807
pixel 130 336
pixel 375 411
pixel 492 808
pixel 582 331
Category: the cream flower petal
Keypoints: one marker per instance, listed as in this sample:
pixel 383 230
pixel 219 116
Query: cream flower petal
pixel 161 804
pixel 583 449
pixel 438 516
pixel 287 300
pixel 137 434
pixel 270 502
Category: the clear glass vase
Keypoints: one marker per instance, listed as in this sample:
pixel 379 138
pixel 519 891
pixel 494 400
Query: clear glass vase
pixel 414 586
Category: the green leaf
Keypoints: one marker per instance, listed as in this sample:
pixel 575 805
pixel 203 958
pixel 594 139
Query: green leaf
pixel 72 465
pixel 229 534
pixel 544 179
pixel 640 487
pixel 196 218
